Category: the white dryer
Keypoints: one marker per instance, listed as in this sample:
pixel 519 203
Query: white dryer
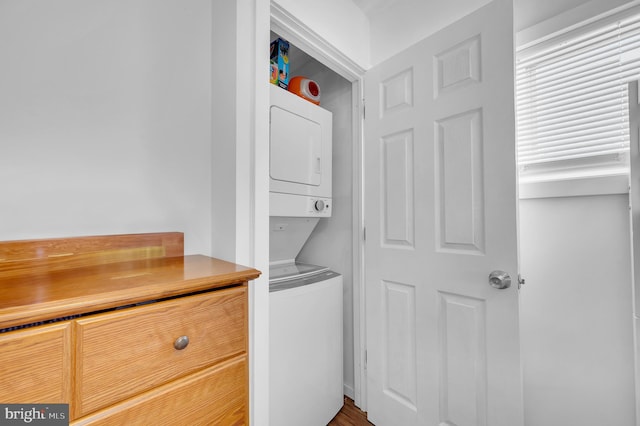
pixel 300 141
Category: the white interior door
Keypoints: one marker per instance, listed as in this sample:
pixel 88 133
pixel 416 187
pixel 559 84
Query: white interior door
pixel 441 215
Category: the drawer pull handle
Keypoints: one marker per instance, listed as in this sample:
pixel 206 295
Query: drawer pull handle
pixel 181 343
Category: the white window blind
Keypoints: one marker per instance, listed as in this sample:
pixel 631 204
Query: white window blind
pixel 571 99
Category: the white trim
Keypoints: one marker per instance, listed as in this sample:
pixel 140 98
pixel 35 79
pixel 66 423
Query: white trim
pixel 290 28
pixel 359 307
pixel 575 187
pixel 584 15
pixel 253 101
pixel 636 340
pixel 634 198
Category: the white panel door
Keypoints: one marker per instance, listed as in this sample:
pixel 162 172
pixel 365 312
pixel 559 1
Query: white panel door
pixel 440 212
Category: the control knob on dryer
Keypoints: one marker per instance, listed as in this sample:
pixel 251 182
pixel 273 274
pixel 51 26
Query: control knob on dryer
pixel 318 205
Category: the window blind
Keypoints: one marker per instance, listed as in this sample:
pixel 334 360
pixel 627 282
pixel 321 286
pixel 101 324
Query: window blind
pixel 571 98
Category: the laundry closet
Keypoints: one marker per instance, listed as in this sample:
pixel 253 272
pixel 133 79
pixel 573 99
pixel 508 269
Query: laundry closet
pixel 314 228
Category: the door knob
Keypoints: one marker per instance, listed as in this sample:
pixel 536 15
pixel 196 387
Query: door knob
pixel 499 280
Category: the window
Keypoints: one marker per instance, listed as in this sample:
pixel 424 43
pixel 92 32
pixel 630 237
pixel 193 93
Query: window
pixel 571 101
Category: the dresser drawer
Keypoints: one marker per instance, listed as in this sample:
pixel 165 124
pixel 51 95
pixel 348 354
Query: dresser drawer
pixel 36 365
pixel 125 352
pixel 215 396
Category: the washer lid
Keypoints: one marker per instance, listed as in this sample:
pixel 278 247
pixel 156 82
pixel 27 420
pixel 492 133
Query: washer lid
pixel 286 271
pixel 320 277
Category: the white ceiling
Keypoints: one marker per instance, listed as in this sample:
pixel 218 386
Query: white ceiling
pixel 371 7
pixel 397 23
pixel 527 12
pixel 391 25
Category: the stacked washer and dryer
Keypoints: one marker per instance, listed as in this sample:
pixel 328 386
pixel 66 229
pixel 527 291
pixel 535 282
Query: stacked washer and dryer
pixel 305 330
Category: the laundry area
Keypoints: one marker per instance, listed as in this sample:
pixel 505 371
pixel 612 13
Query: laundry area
pixel 310 234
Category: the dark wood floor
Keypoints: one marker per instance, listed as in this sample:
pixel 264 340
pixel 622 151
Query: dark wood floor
pixel 350 415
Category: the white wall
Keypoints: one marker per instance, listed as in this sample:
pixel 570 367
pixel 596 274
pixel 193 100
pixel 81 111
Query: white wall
pixel 105 118
pixel 339 22
pixel 404 23
pixel 224 130
pixel 577 326
pixel 576 311
pixel 107 126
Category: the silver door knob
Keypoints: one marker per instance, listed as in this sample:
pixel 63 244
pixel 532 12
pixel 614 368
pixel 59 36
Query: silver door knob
pixel 499 280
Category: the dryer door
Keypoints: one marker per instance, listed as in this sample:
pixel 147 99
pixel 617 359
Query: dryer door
pixel 296 148
pixel 300 146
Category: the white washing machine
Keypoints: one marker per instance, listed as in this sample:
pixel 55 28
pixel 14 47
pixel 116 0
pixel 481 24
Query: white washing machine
pixel 305 345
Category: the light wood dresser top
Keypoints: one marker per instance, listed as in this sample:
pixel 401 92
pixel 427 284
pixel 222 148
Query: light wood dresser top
pixel 49 279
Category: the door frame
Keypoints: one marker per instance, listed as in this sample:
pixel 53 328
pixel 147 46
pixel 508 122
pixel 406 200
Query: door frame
pixel 634 208
pixel 296 32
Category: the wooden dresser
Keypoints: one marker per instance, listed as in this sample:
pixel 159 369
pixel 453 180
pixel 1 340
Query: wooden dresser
pixel 125 329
